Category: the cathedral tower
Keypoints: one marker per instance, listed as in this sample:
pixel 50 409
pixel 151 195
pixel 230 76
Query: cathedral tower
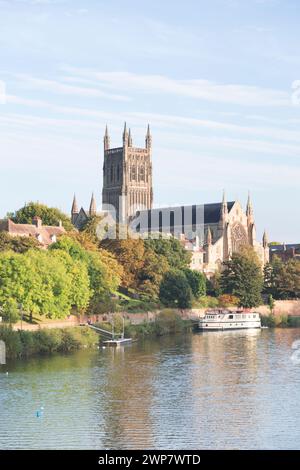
pixel 127 176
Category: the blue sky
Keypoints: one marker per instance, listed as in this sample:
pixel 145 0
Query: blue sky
pixel 213 79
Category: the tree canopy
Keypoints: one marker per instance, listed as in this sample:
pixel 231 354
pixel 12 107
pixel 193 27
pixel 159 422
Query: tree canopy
pixel 143 269
pixel 242 277
pixel 44 283
pixel 49 215
pixel 17 244
pixel 197 282
pixel 171 248
pixel 175 290
pixel 282 279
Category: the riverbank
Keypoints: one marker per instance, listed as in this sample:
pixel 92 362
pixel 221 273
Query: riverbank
pixel 22 343
pixel 282 308
pixel 280 321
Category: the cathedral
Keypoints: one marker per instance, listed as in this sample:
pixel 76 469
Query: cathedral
pixel 211 232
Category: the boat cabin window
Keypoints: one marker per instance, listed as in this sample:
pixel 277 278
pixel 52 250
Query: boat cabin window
pixel 230 316
pixel 254 316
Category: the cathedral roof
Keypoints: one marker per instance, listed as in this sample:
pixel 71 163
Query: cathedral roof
pixel 188 214
pixel 212 212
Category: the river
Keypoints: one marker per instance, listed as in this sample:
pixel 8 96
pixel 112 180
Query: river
pixel 231 390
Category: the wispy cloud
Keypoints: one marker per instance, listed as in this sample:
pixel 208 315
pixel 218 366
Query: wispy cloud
pixel 193 88
pixel 54 86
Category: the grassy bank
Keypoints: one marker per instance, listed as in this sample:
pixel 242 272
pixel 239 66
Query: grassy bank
pixel 281 321
pixel 166 323
pixel 47 341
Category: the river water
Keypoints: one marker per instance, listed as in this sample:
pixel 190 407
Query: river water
pixel 232 390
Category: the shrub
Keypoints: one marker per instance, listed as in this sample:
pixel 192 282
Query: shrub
pixel 207 302
pixel 268 320
pixel 48 341
pixel 12 341
pixel 30 345
pixel 168 321
pixel 228 300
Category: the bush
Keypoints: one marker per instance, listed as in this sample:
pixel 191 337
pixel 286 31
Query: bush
pixel 294 322
pixel 168 322
pixel 273 321
pixel 48 341
pixel 207 302
pixel 29 343
pixel 268 320
pixel 12 341
pixel 227 300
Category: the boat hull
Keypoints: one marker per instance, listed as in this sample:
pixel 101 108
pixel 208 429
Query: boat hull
pixel 219 326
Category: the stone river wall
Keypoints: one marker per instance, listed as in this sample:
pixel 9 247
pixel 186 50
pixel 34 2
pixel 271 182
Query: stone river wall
pixel 282 307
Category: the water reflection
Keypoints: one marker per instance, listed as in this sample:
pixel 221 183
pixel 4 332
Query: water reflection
pixel 235 389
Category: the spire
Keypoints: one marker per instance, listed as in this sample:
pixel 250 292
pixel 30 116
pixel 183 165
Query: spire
pixel 93 208
pixel 265 239
pixel 249 208
pixel 129 139
pixel 125 135
pixel 209 237
pixel 224 209
pixel 74 209
pixel 106 139
pixel 148 140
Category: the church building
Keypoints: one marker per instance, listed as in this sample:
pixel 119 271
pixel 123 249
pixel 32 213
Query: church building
pixel 212 232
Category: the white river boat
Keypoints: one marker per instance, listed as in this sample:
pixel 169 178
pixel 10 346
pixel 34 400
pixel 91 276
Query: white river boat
pixel 229 320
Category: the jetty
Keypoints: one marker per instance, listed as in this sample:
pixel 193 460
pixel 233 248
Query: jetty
pixel 110 338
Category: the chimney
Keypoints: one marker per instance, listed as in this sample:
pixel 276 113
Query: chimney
pixel 37 221
pixel 60 224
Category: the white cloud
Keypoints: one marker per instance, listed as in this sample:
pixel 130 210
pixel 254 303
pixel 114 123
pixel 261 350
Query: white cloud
pixel 270 140
pixel 193 88
pixel 61 88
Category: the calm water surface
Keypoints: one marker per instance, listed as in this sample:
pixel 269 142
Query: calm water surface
pixel 214 390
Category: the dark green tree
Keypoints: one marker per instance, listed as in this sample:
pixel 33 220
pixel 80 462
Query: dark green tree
pixel 197 282
pixel 242 277
pixel 175 290
pixel 282 279
pixel 171 248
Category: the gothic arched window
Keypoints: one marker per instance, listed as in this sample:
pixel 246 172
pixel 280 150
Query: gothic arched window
pixel 142 173
pixel 133 172
pixel 118 173
pixel 111 173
